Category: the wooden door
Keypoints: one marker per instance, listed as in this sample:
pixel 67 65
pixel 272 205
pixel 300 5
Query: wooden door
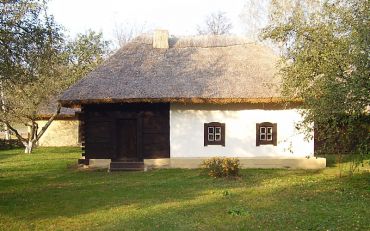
pixel 127 140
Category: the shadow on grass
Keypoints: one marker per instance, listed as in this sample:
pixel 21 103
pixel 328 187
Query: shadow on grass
pixel 5 154
pixel 304 204
pixel 178 198
pixel 19 152
pixel 85 192
pixel 332 160
pixel 56 150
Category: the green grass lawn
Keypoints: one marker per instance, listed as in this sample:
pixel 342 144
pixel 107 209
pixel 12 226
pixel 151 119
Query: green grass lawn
pixel 43 191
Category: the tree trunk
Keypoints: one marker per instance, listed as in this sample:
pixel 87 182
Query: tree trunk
pixel 33 137
pixel 7 132
pixel 28 147
pixel 6 128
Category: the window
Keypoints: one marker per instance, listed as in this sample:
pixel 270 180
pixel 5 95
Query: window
pixel 214 134
pixel 266 133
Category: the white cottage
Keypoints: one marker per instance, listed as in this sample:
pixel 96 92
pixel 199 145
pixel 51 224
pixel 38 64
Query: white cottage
pixel 173 102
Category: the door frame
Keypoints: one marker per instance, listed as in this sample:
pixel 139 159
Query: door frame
pixel 139 136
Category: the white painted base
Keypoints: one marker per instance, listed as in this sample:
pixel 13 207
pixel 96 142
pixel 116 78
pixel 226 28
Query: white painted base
pixel 267 162
pixel 192 163
pixel 99 163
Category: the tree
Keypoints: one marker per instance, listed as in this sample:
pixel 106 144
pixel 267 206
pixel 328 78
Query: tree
pixel 215 24
pixel 37 63
pixel 124 33
pixel 85 53
pixel 254 16
pixel 325 63
pixel 30 42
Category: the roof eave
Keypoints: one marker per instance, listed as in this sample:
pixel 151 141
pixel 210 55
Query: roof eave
pixel 78 103
pixel 58 117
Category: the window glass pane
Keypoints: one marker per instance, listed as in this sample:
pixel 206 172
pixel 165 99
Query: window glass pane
pixel 269 137
pixel 210 137
pixel 217 130
pixel 217 137
pixel 210 130
pixel 269 130
pixel 262 137
pixel 262 130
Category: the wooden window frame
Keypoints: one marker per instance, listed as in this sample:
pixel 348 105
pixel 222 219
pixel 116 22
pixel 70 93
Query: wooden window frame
pixel 266 126
pixel 214 134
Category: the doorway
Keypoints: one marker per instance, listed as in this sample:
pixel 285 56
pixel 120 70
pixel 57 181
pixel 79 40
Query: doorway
pixel 127 140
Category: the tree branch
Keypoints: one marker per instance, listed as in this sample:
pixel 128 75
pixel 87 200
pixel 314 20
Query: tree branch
pixel 47 124
pixel 20 138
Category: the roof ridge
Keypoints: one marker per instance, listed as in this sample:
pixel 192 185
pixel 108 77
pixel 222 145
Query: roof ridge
pixel 201 46
pixel 201 41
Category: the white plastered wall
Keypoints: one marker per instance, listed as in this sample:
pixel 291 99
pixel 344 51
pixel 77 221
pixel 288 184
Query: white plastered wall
pixel 59 133
pixel 187 128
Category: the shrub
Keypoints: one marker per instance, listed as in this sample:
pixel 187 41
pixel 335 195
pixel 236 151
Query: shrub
pixel 10 144
pixel 222 167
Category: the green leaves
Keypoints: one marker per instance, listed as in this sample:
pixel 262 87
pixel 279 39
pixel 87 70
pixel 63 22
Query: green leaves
pixel 37 62
pixel 85 53
pixel 325 61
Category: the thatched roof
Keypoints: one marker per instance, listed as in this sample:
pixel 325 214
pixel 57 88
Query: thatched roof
pixel 218 69
pixel 46 110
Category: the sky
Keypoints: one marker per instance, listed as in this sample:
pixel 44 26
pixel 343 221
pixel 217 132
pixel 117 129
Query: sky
pixel 180 17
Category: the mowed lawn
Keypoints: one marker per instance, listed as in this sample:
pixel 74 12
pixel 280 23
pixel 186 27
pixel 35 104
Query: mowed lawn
pixel 44 191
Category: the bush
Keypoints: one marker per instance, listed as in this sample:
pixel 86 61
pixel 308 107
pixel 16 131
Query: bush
pixel 10 144
pixel 222 167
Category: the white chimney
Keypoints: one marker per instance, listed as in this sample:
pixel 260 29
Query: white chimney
pixel 160 39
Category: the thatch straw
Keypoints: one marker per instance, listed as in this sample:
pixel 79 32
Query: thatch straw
pixel 46 110
pixel 202 41
pixel 217 69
